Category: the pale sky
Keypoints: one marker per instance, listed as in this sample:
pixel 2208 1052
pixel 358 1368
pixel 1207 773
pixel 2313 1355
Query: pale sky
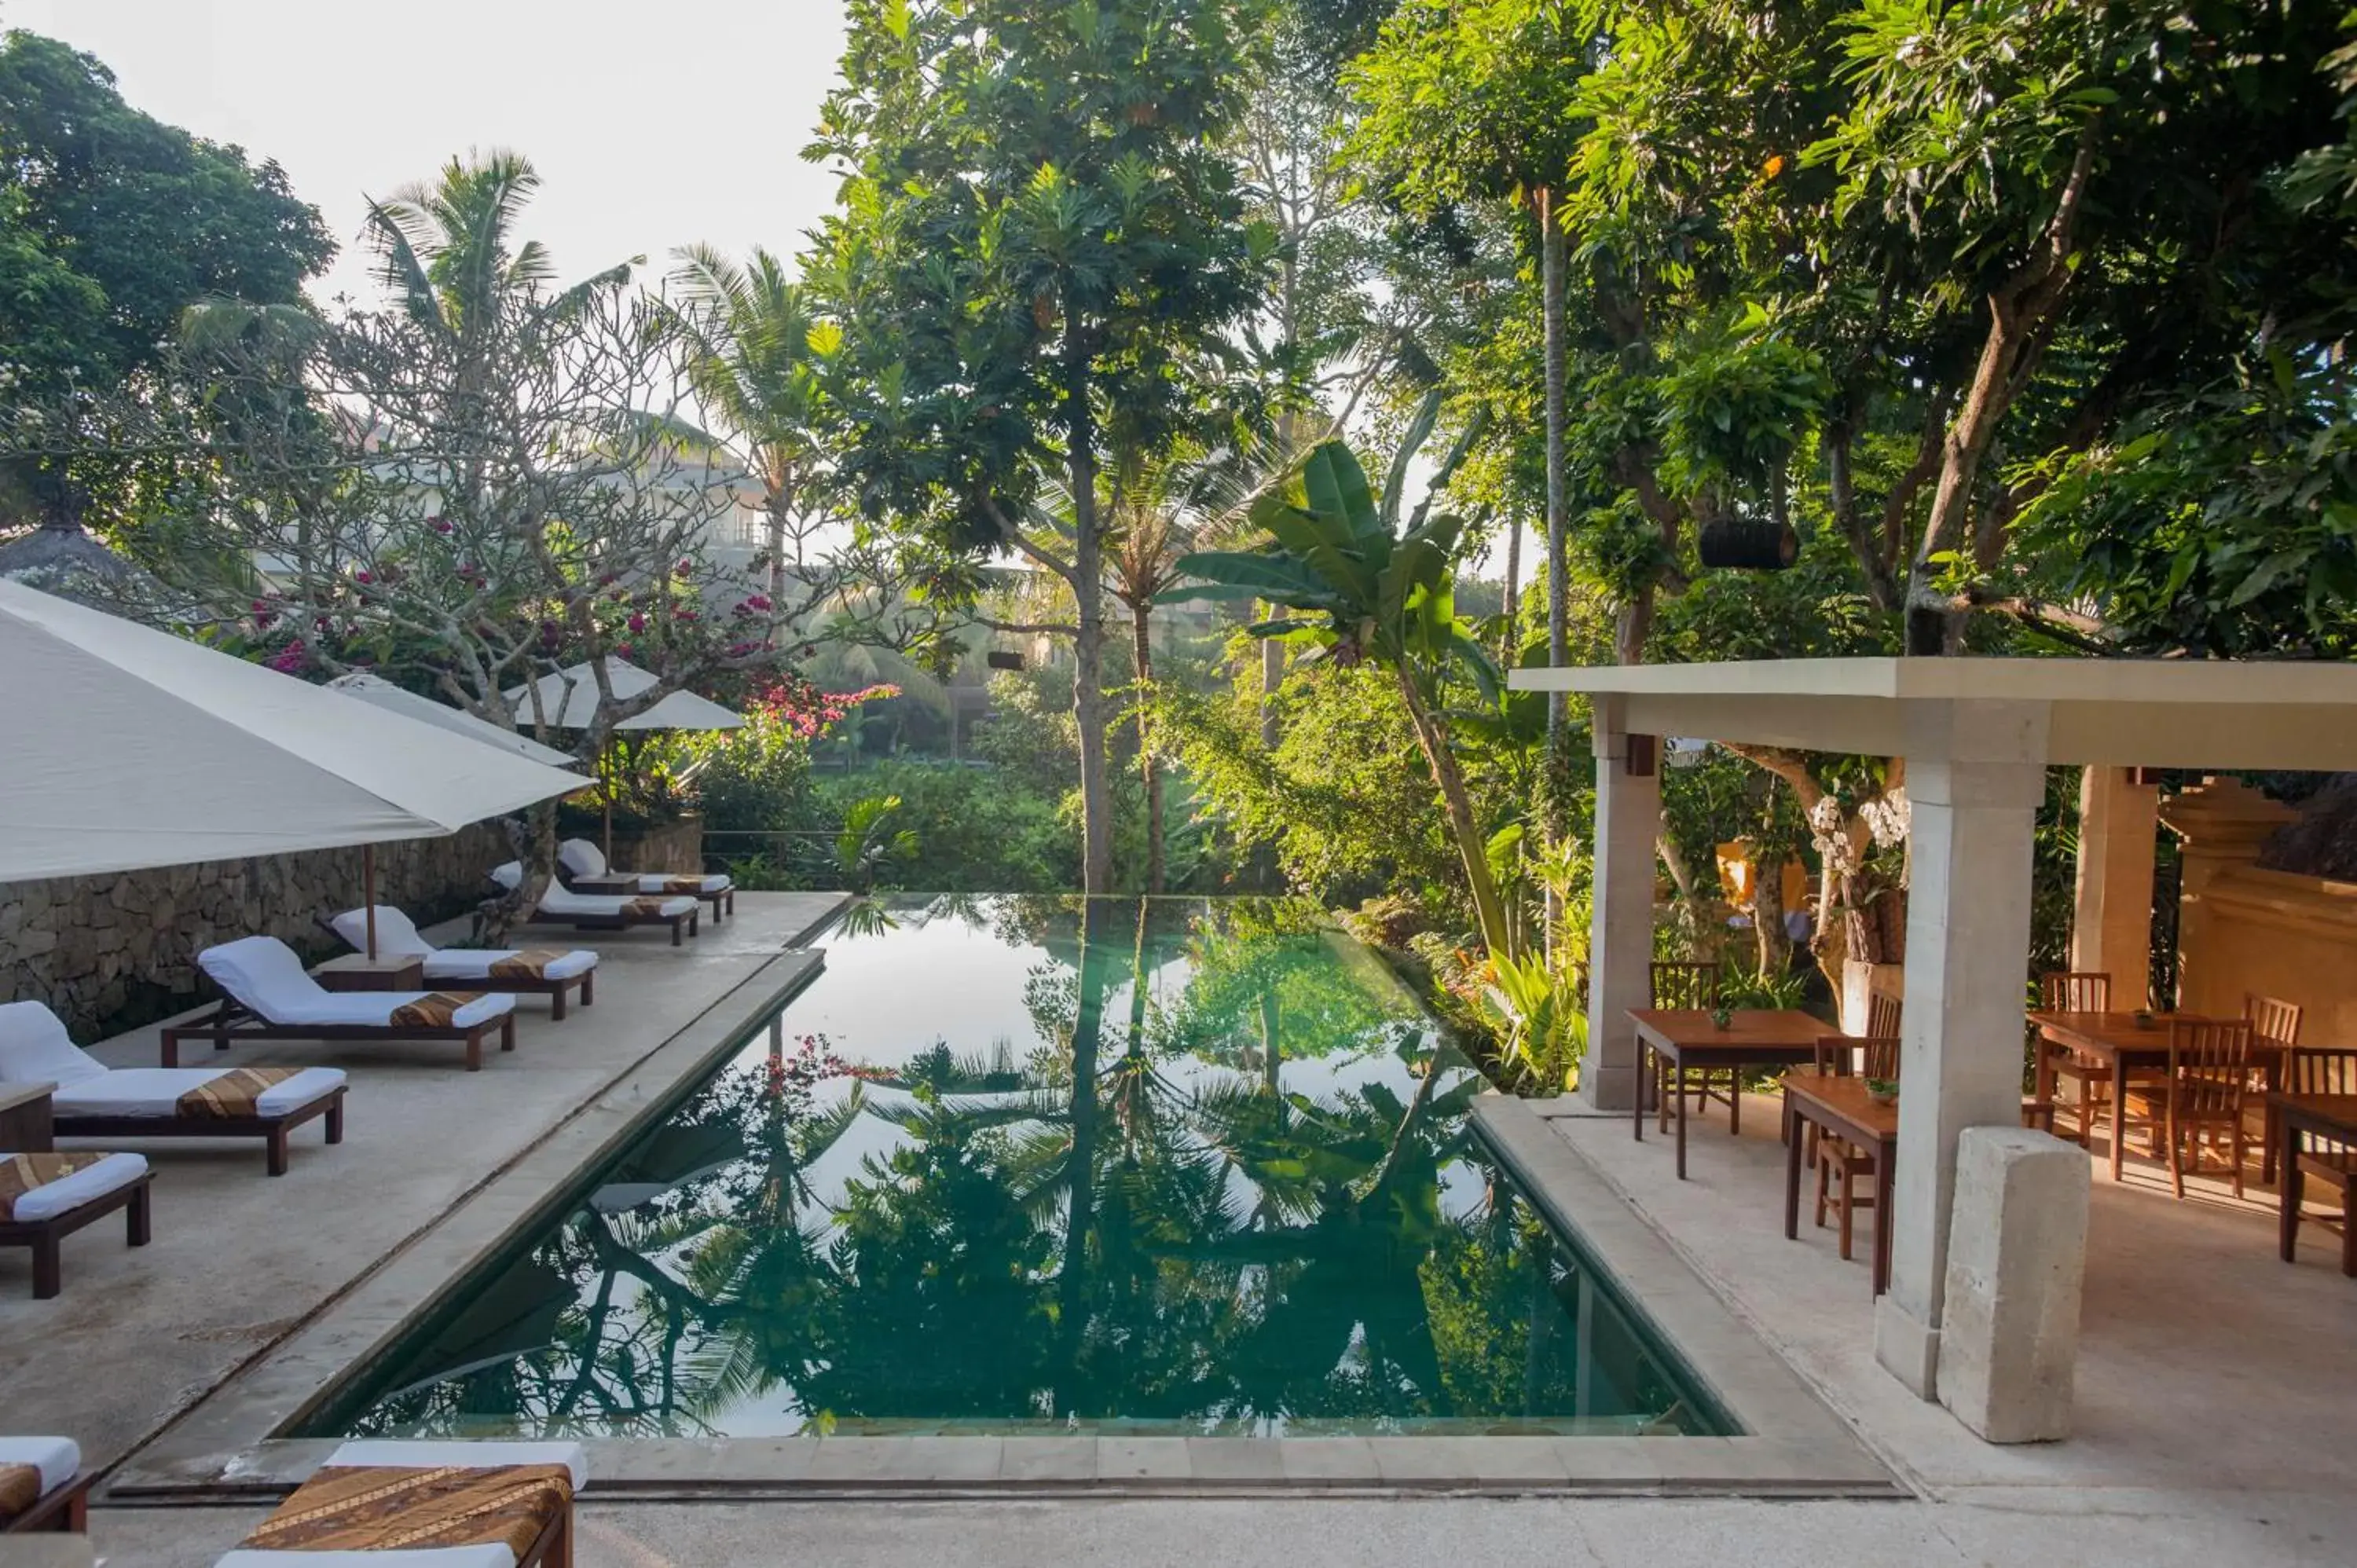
pixel 652 125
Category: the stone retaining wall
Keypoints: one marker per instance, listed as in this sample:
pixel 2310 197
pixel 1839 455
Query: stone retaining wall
pixel 109 953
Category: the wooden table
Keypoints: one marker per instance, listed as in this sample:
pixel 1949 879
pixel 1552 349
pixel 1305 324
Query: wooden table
pixel 1679 1038
pixel 358 971
pixel 2118 1039
pixel 24 1118
pixel 2328 1115
pixel 1844 1108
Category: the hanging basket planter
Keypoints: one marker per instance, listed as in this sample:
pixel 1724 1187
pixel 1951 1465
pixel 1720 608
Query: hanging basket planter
pixel 1750 544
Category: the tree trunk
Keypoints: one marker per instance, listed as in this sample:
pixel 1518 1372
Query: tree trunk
pixel 1472 847
pixel 1080 1214
pixel 1142 631
pixel 1508 643
pixel 1558 568
pixel 1088 644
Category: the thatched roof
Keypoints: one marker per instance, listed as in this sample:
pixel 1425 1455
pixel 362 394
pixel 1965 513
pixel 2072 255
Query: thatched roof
pixel 2322 840
pixel 61 558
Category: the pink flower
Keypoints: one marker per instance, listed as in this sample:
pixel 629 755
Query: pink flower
pixel 362 577
pixel 684 614
pixel 437 524
pixel 638 622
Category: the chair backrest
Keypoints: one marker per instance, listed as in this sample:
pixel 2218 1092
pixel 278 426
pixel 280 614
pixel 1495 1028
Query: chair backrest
pixel 2311 1070
pixel 1867 1056
pixel 2210 1064
pixel 2063 990
pixel 2273 1020
pixel 261 974
pixel 395 936
pixel 581 858
pixel 1882 1012
pixel 36 1048
pixel 1686 986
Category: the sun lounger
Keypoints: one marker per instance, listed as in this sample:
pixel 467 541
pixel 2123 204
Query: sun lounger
pixel 268 996
pixel 603 911
pixel 46 1197
pixel 94 1100
pixel 579 857
pixel 43 1486
pixel 426 1505
pixel 537 972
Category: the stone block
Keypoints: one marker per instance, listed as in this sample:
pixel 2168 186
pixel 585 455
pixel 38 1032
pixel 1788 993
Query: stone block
pixel 2016 1258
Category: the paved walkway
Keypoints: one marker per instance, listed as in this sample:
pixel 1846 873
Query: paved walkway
pixel 2212 1380
pixel 1355 1532
pixel 240 1259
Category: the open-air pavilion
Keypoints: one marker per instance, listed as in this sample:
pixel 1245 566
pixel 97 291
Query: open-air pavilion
pixel 1977 736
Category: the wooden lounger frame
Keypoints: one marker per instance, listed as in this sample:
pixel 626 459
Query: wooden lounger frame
pixel 619 922
pixel 63 1511
pixel 552 1548
pixel 43 1235
pixel 232 1021
pixel 273 1129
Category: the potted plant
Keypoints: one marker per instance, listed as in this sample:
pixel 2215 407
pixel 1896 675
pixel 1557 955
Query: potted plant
pixel 1882 1090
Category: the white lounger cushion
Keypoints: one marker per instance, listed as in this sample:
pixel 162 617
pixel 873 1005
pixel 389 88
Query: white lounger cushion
pixel 582 858
pixel 397 936
pixel 474 963
pixel 562 903
pixel 264 974
pixel 57 1458
pixel 405 1454
pixel 157 1090
pixel 88 1185
pixel 36 1048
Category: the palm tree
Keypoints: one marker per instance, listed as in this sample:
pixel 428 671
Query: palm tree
pixel 447 252
pixel 755 347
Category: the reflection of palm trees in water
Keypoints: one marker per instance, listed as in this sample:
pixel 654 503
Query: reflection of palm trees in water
pixel 1142 1224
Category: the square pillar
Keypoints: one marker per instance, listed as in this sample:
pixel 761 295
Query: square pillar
pixel 1621 929
pixel 1975 774
pixel 2111 923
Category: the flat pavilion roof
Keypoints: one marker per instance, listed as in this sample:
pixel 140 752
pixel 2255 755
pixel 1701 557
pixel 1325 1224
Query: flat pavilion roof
pixel 2150 712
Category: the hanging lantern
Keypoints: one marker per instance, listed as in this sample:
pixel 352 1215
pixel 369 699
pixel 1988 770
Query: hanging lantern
pixel 1750 543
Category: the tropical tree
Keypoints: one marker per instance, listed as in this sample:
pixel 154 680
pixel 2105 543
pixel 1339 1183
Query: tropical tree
pixel 1387 596
pixel 1039 253
pixel 756 351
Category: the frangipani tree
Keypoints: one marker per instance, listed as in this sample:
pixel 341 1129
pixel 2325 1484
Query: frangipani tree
pixel 1375 593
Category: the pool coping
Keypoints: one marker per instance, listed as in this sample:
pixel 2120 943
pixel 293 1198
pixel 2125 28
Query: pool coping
pixel 1792 1445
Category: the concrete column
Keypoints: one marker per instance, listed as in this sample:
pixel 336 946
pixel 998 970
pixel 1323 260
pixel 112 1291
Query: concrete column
pixel 1975 774
pixel 2110 925
pixel 2016 1259
pixel 1620 931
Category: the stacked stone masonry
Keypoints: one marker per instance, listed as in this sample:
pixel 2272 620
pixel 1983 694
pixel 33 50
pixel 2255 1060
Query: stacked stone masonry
pixel 108 953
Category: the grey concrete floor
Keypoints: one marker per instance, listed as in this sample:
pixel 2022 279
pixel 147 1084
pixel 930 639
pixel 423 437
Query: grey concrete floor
pixel 239 1260
pixel 2207 1370
pixel 1353 1532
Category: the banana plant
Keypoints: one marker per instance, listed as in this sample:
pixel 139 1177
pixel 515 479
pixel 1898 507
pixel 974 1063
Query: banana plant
pixel 1363 587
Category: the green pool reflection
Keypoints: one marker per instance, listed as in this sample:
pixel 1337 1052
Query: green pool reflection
pixel 1021 1164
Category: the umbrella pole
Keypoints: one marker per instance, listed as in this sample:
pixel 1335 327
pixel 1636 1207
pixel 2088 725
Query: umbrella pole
pixel 368 893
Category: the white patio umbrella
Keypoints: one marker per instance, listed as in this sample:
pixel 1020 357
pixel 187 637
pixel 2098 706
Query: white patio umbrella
pixel 378 692
pixel 568 699
pixel 127 747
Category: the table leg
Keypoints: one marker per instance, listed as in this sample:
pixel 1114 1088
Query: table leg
pixel 1735 1100
pixel 1681 1076
pixel 1885 1161
pixel 2288 1217
pixel 2119 1111
pixel 2045 1074
pixel 1799 1126
pixel 1646 1069
pixel 2270 1117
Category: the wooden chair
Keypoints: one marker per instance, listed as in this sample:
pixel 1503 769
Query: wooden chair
pixel 2061 991
pixel 1882 1015
pixel 1691 986
pixel 2203 1097
pixel 2328 1069
pixel 1842 1166
pixel 2275 1022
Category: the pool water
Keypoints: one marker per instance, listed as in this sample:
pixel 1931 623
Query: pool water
pixel 1026 1165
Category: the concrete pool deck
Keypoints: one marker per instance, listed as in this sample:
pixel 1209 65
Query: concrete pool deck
pixel 241 1260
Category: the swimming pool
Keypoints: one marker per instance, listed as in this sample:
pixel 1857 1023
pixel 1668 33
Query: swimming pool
pixel 1028 1166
